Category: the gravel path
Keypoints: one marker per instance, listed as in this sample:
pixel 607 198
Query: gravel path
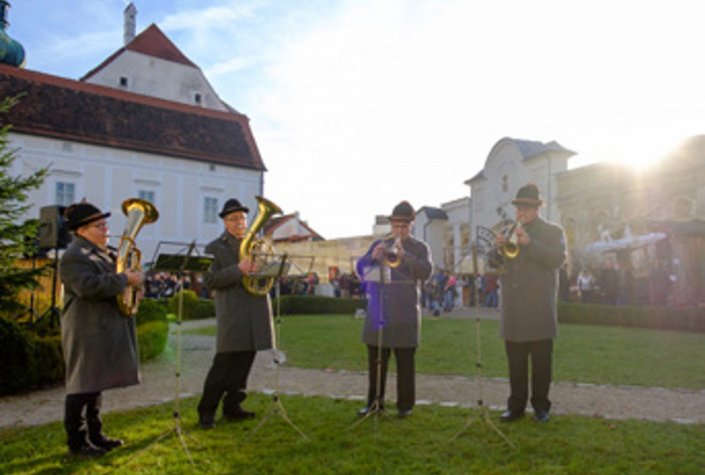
pixel 159 386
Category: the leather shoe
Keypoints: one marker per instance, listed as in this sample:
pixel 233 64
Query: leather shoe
pixel 542 416
pixel 403 413
pixel 206 422
pixel 510 416
pixel 86 451
pixel 239 415
pixel 106 443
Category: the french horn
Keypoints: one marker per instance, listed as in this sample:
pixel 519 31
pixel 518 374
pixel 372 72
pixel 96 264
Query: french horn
pixel 139 212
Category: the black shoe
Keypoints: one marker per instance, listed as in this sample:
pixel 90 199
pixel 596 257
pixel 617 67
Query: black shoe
pixel 542 416
pixel 86 451
pixel 106 443
pixel 510 416
pixel 369 410
pixel 404 413
pixel 239 415
pixel 206 422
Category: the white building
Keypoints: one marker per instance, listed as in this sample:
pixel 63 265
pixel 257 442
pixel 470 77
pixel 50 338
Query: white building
pixel 144 123
pixel 511 164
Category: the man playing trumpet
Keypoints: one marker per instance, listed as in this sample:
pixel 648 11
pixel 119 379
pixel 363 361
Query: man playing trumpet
pixel 529 287
pixel 392 270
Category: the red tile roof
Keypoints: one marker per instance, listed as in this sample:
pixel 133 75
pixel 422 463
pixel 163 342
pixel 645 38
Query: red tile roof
pixel 151 42
pixel 73 110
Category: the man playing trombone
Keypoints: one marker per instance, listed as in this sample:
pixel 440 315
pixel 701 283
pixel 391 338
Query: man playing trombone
pixel 393 270
pixel 529 287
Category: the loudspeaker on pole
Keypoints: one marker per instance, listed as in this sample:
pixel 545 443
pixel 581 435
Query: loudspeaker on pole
pixel 53 231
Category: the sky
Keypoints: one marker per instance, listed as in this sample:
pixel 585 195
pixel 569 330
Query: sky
pixel 358 104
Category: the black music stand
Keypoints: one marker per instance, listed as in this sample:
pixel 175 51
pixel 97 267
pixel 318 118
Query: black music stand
pixel 276 270
pixel 377 406
pixel 179 263
pixel 484 413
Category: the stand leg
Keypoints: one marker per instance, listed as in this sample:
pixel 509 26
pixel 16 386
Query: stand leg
pixel 484 414
pixel 177 429
pixel 275 406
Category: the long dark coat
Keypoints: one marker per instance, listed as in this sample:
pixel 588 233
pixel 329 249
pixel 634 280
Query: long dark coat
pixel 393 304
pixel 530 285
pixel 99 343
pixel 244 321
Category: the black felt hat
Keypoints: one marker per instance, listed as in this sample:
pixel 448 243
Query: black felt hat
pixel 528 195
pixel 231 206
pixel 403 212
pixel 80 214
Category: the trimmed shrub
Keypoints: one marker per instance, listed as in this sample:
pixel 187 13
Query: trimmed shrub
pixel 151 310
pixel 31 361
pixel 151 338
pixel 194 308
pixel 660 318
pixel 315 304
pixel 16 351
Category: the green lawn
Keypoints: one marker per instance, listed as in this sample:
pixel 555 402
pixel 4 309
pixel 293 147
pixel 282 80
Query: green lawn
pixel 419 445
pixel 587 354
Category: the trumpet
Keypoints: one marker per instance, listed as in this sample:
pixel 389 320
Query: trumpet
pixel 507 228
pixel 392 246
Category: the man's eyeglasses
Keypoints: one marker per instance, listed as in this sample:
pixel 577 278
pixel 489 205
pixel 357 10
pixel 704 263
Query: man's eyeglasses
pixel 99 225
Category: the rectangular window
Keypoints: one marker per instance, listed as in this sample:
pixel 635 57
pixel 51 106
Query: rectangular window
pixel 146 195
pixel 210 210
pixel 65 193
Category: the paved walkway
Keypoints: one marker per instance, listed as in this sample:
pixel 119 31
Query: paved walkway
pixel 160 383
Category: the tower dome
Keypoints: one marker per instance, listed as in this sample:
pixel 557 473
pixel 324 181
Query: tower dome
pixel 11 51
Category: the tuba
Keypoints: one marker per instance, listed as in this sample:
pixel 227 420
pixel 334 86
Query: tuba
pixel 139 213
pixel 259 251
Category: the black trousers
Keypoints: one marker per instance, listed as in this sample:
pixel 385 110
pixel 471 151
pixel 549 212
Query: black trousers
pixel 406 374
pixel 82 418
pixel 227 377
pixel 518 354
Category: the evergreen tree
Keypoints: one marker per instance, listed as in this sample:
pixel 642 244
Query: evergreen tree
pixel 17 239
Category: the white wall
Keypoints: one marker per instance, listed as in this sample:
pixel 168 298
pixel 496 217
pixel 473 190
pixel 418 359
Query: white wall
pixel 107 176
pixel 157 77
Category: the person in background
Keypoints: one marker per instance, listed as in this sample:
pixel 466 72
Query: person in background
pixel 529 288
pixel 99 343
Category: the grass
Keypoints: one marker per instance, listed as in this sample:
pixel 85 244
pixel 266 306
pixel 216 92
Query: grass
pixel 583 353
pixel 419 445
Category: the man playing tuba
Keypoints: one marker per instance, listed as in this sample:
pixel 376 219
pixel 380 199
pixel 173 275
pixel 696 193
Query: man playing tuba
pixel 243 320
pixel 99 343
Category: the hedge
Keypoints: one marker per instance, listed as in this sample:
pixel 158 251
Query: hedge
pixel 315 304
pixel 661 318
pixel 31 361
pixel 194 308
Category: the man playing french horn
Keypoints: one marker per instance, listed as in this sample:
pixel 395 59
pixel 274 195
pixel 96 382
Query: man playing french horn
pixel 529 285
pixel 243 320
pixel 99 342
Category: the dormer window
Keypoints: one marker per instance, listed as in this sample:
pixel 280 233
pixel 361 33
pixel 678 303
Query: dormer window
pixel 123 82
pixel 197 98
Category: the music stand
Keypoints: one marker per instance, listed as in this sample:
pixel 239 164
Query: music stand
pixel 377 406
pixel 276 270
pixel 483 414
pixel 179 263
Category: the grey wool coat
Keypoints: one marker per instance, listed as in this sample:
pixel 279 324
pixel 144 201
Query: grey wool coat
pixel 529 285
pixel 244 321
pixel 99 343
pixel 393 302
